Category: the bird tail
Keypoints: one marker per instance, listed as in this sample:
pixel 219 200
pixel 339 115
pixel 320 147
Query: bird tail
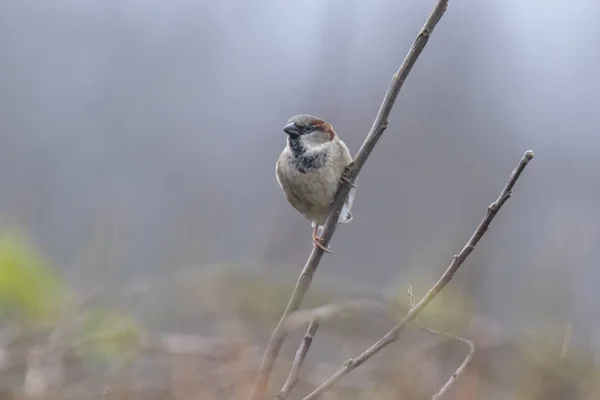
pixel 345 215
pixel 344 219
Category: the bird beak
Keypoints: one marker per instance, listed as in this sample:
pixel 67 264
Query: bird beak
pixel 292 130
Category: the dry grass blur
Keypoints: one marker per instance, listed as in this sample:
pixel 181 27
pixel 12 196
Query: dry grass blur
pixel 222 364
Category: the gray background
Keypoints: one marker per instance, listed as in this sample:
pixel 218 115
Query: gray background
pixel 138 137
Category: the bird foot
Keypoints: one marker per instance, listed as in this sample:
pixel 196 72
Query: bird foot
pixel 318 243
pixel 347 180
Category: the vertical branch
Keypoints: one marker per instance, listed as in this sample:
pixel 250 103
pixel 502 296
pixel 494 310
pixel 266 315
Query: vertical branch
pixel 377 129
pixel 292 378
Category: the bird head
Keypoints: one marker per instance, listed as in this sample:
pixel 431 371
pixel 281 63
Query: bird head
pixel 309 130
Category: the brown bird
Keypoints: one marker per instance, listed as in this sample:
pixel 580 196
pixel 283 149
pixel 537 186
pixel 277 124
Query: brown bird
pixel 310 168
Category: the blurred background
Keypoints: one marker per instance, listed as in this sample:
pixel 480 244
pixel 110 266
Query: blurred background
pixel 138 142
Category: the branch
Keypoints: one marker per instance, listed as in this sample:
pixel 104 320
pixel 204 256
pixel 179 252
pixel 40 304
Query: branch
pixel 314 316
pixel 393 334
pixel 329 311
pixel 292 378
pixel 440 393
pixel 460 369
pixel 377 129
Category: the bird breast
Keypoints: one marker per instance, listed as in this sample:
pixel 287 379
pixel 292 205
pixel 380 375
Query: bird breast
pixel 310 181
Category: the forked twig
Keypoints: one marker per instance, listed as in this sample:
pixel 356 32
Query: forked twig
pixel 394 333
pixel 444 389
pixel 314 317
pixel 293 377
pixel 377 129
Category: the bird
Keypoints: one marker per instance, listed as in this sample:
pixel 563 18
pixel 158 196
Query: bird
pixel 310 169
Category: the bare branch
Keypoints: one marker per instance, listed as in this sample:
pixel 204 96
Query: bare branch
pixel 393 334
pixel 293 377
pixel 377 129
pixel 460 369
pixel 440 393
pixel 314 316
pixel 328 311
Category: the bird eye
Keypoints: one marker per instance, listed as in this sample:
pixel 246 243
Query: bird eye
pixel 309 128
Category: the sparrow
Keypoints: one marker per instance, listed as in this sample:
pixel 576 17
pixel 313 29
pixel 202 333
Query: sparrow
pixel 310 168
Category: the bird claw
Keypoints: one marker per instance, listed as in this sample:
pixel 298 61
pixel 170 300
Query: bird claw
pixel 318 243
pixel 347 180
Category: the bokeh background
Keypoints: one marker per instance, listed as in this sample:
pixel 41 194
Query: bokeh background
pixel 138 142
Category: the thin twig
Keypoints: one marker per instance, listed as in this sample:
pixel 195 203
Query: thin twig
pixel 566 342
pixel 393 334
pixel 107 395
pixel 440 393
pixel 293 377
pixel 379 126
pixel 329 311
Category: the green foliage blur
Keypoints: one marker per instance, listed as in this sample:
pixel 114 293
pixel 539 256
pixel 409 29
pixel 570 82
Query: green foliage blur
pixel 31 290
pixel 33 293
